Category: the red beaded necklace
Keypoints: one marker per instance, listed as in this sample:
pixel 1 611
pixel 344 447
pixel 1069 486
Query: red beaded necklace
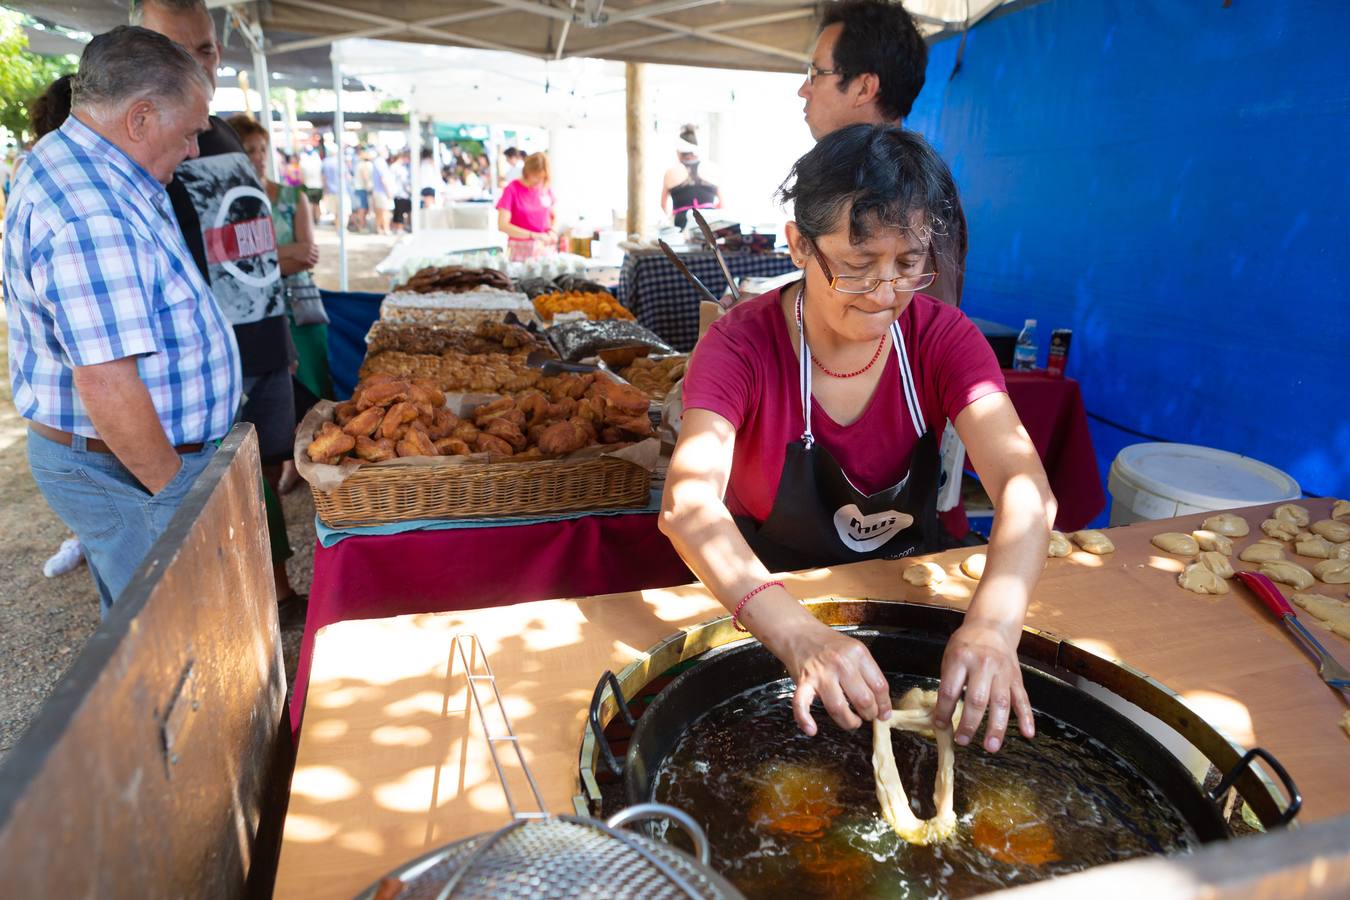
pixel 801 292
pixel 875 356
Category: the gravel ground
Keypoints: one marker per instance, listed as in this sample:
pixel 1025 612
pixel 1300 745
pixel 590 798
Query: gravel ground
pixel 45 621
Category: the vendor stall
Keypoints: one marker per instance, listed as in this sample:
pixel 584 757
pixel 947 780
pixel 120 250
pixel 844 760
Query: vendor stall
pixel 391 764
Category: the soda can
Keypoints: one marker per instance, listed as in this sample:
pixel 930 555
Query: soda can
pixel 1059 351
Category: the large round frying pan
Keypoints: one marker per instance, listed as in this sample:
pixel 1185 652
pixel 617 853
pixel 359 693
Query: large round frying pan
pixel 724 673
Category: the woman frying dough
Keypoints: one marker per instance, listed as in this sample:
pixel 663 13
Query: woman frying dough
pixel 810 438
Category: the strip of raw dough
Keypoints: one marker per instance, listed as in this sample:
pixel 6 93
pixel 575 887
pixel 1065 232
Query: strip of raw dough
pixel 1333 571
pixel 1334 530
pixel 1290 573
pixel 1059 544
pixel 1283 529
pixel 1226 524
pixel 1332 613
pixel 1212 540
pixel 914 712
pixel 973 566
pixel 924 573
pixel 1340 509
pixel 1261 552
pixel 1094 541
pixel 1176 542
pixel 1315 546
pixel 1345 723
pixel 1293 513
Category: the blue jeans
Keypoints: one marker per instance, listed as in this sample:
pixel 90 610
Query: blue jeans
pixel 114 516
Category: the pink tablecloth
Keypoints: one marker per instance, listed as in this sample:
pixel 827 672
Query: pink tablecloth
pixel 374 576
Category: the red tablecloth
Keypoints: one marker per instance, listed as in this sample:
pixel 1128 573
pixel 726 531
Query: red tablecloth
pixel 373 576
pixel 1052 410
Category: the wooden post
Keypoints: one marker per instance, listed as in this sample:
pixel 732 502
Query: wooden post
pixel 636 120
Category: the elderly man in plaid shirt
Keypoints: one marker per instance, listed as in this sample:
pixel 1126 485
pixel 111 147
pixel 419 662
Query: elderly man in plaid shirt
pixel 119 356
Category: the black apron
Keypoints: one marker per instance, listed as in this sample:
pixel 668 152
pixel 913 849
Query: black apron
pixel 820 519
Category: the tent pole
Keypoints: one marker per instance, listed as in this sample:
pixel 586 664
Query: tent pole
pixel 635 119
pixel 339 129
pixel 261 75
pixel 416 218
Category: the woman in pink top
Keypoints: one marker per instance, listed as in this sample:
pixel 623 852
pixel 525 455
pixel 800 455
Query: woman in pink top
pixel 810 437
pixel 526 212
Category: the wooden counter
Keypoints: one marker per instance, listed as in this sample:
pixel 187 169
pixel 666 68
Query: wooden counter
pixel 391 761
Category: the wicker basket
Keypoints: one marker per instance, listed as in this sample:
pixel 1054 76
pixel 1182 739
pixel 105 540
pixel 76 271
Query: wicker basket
pixel 379 494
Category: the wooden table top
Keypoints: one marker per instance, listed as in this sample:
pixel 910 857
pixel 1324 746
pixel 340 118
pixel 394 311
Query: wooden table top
pixel 391 762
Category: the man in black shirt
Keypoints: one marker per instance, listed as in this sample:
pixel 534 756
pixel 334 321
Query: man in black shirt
pixel 226 221
pixel 867 67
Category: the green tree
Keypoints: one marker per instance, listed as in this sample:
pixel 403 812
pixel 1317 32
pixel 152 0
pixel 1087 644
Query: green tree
pixel 23 75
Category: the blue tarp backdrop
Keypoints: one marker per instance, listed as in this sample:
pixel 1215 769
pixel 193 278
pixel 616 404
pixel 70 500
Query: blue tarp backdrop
pixel 1171 181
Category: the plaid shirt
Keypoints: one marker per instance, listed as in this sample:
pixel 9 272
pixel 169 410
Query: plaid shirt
pixel 96 270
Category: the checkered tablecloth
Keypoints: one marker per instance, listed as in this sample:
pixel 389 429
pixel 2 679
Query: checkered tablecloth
pixel 663 300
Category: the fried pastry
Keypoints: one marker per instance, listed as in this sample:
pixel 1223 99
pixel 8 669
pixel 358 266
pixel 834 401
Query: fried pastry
pixel 416 443
pixel 382 394
pixel 331 441
pixel 426 392
pixel 374 451
pixel 399 414
pixel 365 422
pixel 453 447
pixel 508 431
pixel 442 424
pixel 345 411
pixel 491 444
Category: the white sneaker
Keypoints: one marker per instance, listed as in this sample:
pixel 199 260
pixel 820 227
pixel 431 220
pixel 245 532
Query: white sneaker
pixel 67 559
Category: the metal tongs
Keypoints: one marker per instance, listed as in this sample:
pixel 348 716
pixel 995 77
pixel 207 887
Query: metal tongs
pixel 1332 672
pixel 721 262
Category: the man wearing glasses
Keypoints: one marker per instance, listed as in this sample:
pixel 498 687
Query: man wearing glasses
pixel 867 68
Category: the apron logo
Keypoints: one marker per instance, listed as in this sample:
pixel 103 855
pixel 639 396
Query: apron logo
pixel 862 533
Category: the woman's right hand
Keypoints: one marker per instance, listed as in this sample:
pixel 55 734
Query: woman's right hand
pixel 840 671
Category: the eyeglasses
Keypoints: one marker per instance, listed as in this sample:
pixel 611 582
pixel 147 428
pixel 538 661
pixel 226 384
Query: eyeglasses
pixel 812 73
pixel 866 284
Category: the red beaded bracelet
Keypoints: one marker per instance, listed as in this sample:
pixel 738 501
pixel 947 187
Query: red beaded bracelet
pixel 736 616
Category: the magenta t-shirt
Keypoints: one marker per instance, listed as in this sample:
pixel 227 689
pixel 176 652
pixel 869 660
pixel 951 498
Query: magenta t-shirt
pixel 529 207
pixel 745 370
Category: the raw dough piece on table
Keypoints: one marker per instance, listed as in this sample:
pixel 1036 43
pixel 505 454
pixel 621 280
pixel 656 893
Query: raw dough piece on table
pixel 926 573
pixel 973 565
pixel 1333 530
pixel 1340 509
pixel 1333 571
pixel 1212 540
pixel 1345 723
pixel 1289 573
pixel 1228 524
pixel 1059 544
pixel 1292 512
pixel 1176 542
pixel 1094 541
pixel 1332 613
pixel 1262 552
pixel 914 712
pixel 1200 580
pixel 1316 547
pixel 1216 562
pixel 1282 529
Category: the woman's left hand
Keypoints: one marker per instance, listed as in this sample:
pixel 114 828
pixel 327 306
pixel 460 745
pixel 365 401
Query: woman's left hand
pixel 981 658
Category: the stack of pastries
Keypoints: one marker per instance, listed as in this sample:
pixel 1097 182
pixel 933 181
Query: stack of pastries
pixel 388 418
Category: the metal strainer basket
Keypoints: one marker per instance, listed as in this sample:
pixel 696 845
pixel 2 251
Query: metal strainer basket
pixel 538 855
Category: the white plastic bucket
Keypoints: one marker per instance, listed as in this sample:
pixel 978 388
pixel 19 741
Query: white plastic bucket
pixel 1159 481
